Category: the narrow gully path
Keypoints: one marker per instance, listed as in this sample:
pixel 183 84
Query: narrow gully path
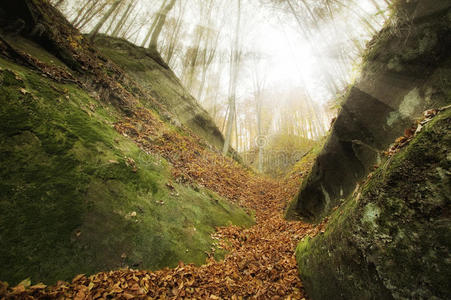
pixel 260 263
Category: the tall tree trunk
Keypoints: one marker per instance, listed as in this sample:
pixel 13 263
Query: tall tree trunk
pixel 123 19
pixel 159 26
pixel 92 12
pixel 202 82
pixel 194 59
pixel 259 133
pixel 234 74
pixel 82 9
pixel 174 37
pixel 113 19
pixel 105 17
pixel 208 57
pixel 154 23
pixel 125 31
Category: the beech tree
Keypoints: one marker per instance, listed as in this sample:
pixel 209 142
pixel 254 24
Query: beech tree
pixel 88 13
pixel 258 85
pixel 159 24
pixel 120 24
pixel 200 41
pixel 114 5
pixel 153 24
pixel 235 59
pixel 172 33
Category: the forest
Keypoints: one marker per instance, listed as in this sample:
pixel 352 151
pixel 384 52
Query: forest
pixel 225 149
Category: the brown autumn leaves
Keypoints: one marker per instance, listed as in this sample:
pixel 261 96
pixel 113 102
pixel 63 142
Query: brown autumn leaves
pixel 260 262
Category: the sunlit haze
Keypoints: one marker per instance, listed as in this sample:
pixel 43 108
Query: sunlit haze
pixel 296 53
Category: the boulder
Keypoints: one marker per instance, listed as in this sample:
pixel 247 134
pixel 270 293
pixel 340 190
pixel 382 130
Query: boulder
pixel 391 238
pixel 406 71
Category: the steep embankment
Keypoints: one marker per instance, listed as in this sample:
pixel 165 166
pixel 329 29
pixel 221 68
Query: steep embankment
pixel 406 71
pixel 77 195
pixel 155 77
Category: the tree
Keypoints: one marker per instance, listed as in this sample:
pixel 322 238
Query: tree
pixel 235 59
pixel 154 24
pixel 172 34
pixel 87 15
pixel 258 84
pixel 160 23
pixel 105 17
pixel 123 20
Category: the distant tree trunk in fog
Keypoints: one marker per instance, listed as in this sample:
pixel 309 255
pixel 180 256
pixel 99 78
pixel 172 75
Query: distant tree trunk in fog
pixel 154 23
pixel 258 83
pixel 123 20
pixel 207 56
pixel 159 25
pixel 231 109
pixel 113 19
pixel 234 68
pixel 105 17
pixel 92 11
pixel 211 40
pixel 135 34
pixel 81 12
pixel 174 37
pixel 125 31
pixel 192 58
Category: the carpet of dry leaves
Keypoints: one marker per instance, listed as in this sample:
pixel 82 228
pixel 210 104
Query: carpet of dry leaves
pixel 260 263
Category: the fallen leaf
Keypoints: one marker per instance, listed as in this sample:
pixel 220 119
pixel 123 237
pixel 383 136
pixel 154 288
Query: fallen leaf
pixel 78 277
pixel 38 286
pixel 25 282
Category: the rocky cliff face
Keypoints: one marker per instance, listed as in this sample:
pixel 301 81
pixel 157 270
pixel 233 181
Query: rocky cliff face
pixel 391 238
pixel 407 71
pixel 388 235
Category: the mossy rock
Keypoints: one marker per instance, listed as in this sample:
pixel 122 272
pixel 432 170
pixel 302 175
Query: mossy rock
pixel 391 238
pixel 150 71
pixel 406 71
pixel 70 203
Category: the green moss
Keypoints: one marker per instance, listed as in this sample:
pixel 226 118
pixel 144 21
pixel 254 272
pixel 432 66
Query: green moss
pixel 34 50
pixel 70 204
pixel 389 239
pixel 388 51
pixel 156 79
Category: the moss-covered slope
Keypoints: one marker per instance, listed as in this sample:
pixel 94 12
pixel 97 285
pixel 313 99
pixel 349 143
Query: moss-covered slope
pixel 75 195
pixel 157 79
pixel 391 238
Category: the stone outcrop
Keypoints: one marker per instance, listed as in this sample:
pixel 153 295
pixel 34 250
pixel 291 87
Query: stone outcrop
pixel 146 67
pixel 406 71
pixel 391 238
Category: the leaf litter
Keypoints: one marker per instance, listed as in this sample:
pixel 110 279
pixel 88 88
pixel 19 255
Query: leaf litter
pixel 260 263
